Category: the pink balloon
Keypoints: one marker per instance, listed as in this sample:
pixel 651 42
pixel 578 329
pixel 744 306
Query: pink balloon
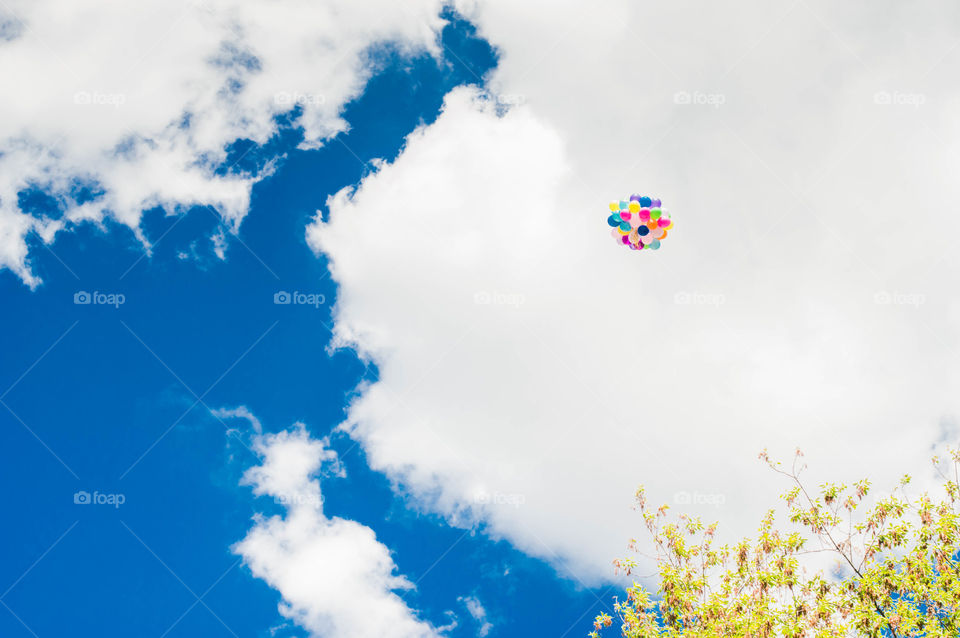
pixel 663 222
pixel 657 233
pixel 625 215
pixel 626 239
pixel 644 215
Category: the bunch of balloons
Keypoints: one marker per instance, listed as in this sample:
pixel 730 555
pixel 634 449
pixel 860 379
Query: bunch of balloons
pixel 639 222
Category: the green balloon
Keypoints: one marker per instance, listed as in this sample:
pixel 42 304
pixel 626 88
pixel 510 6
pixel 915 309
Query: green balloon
pixel 655 213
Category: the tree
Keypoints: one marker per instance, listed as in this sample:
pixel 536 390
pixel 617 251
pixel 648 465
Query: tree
pixel 898 571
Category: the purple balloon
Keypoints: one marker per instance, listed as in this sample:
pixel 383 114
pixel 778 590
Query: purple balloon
pixel 655 203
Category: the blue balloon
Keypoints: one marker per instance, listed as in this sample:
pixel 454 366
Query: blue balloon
pixel 625 227
pixel 655 244
pixel 645 201
pixel 614 220
pixel 643 231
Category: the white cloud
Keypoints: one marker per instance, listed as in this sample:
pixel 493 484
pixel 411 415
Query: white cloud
pixel 239 412
pixel 476 609
pixel 532 373
pixel 335 578
pixel 140 99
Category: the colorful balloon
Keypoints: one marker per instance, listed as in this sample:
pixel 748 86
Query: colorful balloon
pixel 639 222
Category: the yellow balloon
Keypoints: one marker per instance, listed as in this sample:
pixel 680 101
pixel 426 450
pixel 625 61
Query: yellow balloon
pixel 614 206
pixel 624 232
pixel 669 226
pixel 634 207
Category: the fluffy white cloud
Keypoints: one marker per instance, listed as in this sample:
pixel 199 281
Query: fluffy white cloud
pixel 336 579
pixel 479 613
pixel 240 412
pixel 532 373
pixel 138 100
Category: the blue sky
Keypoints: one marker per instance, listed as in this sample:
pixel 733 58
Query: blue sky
pixel 104 398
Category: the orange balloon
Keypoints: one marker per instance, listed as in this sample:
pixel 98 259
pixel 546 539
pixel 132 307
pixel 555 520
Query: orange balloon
pixel 664 234
pixel 652 224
